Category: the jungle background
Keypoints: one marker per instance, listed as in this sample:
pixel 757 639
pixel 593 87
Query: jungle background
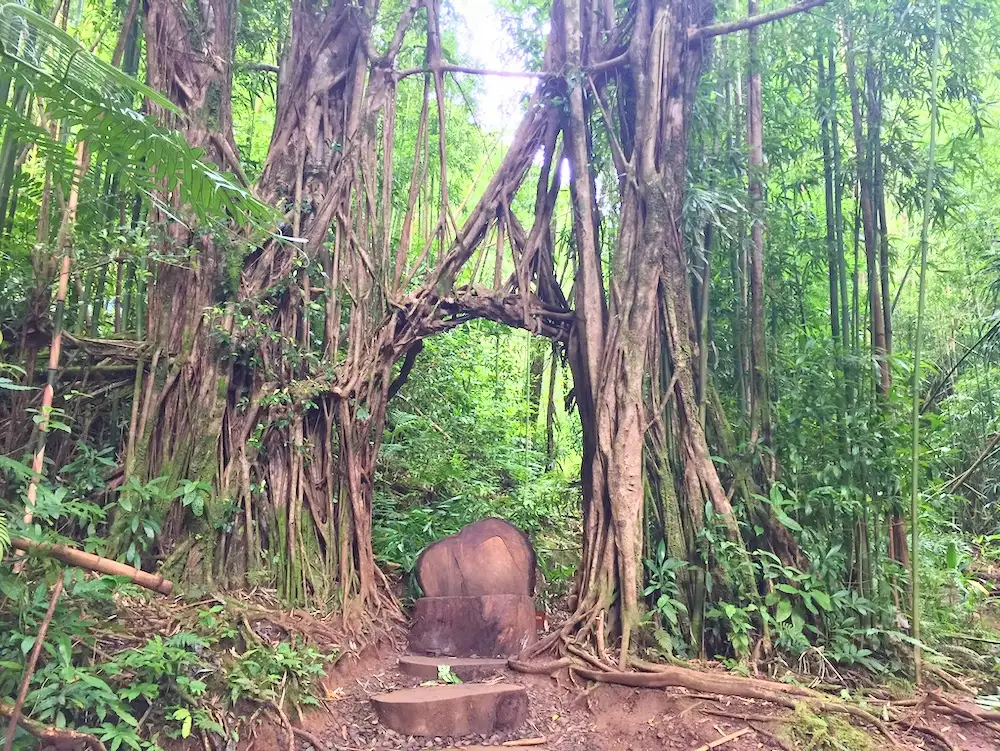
pixel 281 303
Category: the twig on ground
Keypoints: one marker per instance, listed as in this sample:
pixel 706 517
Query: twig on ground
pixel 525 742
pixel 724 739
pixel 745 717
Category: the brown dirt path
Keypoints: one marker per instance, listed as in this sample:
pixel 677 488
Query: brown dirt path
pixel 572 718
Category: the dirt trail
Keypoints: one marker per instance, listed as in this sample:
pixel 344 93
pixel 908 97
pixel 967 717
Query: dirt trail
pixel 573 718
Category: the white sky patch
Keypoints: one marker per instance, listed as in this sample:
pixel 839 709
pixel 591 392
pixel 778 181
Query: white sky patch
pixel 484 43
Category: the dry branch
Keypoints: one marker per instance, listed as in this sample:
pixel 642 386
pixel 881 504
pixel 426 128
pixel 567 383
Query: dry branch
pixel 91 562
pixel 957 482
pixel 29 668
pixel 525 741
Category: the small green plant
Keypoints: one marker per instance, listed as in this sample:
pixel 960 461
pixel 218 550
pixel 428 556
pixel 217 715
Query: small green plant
pixel 737 624
pixel 265 674
pixel 445 675
pixel 670 616
pixel 193 495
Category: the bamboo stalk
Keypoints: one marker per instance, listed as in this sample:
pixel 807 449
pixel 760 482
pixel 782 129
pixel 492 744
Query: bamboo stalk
pixel 63 243
pixel 915 448
pixel 92 562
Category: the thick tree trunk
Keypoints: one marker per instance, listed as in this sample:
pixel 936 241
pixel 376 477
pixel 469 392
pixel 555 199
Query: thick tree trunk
pixel 761 431
pixel 609 356
pixel 290 444
pixel 184 413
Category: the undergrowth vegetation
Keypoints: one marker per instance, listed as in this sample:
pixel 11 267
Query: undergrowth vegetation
pixel 134 675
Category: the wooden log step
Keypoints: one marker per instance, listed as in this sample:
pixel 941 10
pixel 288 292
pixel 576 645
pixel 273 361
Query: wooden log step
pixel 453 710
pixel 466 668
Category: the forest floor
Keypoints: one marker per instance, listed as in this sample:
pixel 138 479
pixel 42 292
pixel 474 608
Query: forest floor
pixel 607 718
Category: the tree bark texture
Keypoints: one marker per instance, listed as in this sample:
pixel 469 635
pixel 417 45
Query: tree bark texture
pixel 761 432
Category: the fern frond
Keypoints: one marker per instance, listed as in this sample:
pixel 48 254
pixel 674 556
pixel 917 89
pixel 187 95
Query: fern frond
pixel 4 535
pixel 96 103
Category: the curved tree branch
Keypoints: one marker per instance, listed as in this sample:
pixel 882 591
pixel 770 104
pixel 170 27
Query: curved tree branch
pixel 731 27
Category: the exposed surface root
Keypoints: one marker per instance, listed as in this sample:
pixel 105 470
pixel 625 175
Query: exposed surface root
pixel 61 736
pixel 309 738
pixel 745 688
pixel 584 665
pixel 977 716
pixel 938 736
pixel 538 668
pixel 286 724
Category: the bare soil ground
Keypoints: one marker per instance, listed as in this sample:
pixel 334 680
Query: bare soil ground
pixel 603 718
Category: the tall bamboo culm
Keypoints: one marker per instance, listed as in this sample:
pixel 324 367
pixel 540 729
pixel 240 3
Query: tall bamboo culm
pixel 915 448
